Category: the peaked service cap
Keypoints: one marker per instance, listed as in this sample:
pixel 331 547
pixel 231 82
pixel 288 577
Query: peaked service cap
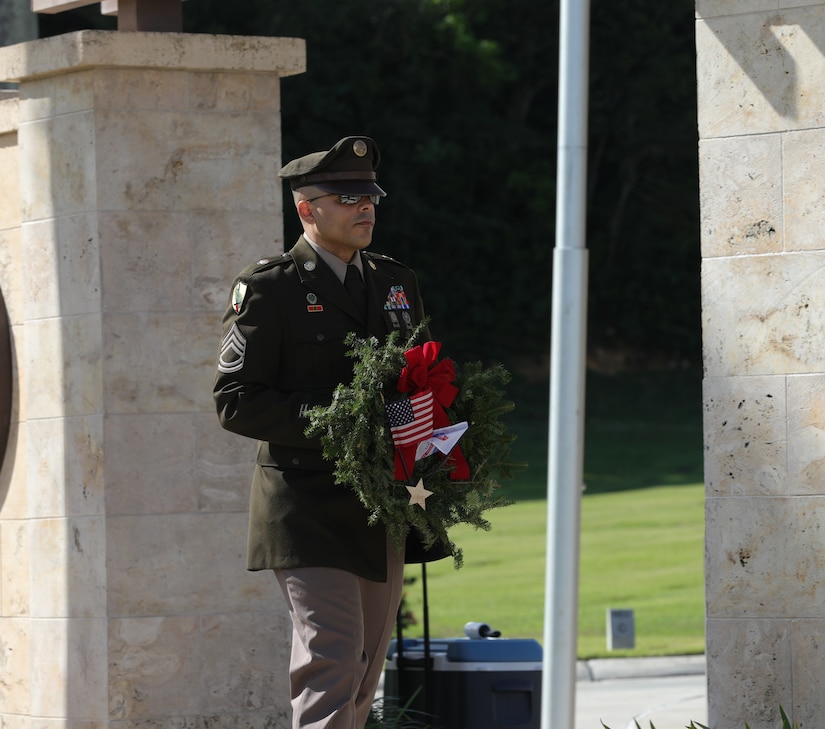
pixel 346 169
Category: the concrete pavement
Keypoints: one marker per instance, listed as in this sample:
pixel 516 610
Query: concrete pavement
pixel 670 692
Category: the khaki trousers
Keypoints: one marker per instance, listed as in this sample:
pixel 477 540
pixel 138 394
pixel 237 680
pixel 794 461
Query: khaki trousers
pixel 341 628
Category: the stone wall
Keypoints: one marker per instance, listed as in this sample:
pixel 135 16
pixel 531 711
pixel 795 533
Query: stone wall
pixel 138 175
pixel 761 110
pixel 14 542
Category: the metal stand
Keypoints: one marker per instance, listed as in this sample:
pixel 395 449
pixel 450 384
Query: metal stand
pixel 405 689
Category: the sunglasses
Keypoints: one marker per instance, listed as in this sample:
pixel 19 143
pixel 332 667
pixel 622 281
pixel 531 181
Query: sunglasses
pixel 348 199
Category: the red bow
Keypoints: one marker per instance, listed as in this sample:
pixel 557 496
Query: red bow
pixel 423 371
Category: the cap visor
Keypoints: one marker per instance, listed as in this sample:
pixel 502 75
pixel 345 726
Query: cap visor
pixel 351 187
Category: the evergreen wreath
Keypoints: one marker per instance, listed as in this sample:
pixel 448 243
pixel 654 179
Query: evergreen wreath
pixel 355 434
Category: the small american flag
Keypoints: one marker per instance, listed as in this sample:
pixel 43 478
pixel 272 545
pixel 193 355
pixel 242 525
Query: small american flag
pixel 411 418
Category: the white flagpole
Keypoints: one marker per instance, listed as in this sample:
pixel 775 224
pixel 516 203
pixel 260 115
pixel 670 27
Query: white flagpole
pixel 567 369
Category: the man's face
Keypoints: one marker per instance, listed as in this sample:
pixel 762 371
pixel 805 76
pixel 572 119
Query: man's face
pixel 340 228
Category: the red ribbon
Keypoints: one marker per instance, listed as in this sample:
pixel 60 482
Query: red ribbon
pixel 423 371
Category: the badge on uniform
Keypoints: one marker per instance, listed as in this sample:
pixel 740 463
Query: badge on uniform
pixel 238 295
pixel 397 299
pixel 312 304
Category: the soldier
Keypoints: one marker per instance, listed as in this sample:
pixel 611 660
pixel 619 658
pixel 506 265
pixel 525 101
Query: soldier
pixel 282 353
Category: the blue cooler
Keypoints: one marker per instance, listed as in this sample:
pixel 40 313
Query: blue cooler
pixel 488 683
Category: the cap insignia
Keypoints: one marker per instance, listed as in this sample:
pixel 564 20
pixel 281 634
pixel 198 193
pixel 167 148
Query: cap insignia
pixel 359 147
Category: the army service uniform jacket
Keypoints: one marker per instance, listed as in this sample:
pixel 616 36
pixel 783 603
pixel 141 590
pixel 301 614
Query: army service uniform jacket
pixel 282 353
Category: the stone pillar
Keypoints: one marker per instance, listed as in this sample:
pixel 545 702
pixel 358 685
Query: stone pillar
pixel 138 174
pixel 762 147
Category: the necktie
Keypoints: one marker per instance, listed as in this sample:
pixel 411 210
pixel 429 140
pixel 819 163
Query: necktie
pixel 355 288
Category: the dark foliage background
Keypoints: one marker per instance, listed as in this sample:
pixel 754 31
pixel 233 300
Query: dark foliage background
pixel 461 97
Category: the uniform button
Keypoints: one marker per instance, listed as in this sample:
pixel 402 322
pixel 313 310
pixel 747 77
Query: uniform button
pixel 319 337
pixel 296 461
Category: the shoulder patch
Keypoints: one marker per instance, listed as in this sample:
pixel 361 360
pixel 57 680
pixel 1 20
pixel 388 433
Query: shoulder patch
pixel 238 296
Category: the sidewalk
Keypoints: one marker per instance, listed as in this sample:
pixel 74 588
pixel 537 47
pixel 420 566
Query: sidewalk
pixel 668 691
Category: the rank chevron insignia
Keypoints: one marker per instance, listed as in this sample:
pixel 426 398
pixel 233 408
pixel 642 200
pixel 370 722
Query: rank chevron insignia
pixel 233 350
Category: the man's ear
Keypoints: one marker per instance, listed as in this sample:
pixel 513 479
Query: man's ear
pixel 304 209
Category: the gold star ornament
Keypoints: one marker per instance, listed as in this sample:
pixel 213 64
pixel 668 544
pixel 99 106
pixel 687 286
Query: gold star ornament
pixel 418 494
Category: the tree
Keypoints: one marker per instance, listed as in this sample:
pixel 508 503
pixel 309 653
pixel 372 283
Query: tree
pixel 461 96
pixel 643 180
pixel 17 22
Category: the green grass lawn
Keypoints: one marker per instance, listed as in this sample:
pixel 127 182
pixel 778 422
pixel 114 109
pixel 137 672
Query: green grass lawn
pixel 642 526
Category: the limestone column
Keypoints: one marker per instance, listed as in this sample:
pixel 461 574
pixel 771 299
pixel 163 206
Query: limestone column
pixel 138 174
pixel 762 147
